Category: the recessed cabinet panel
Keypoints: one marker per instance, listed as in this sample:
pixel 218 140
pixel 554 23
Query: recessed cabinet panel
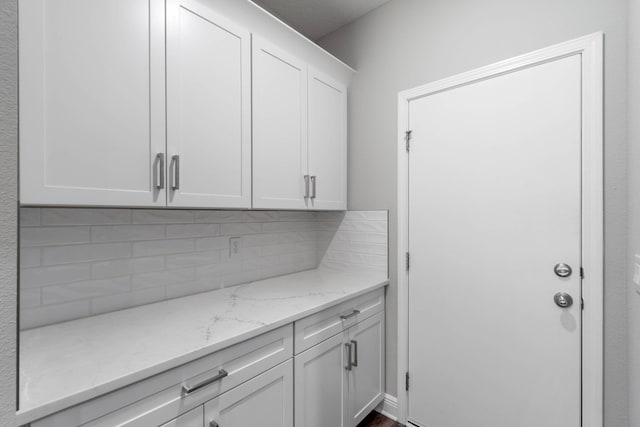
pixel 279 128
pixel 208 108
pixel 322 385
pixel 327 142
pixel 91 101
pixel 266 400
pixel 367 383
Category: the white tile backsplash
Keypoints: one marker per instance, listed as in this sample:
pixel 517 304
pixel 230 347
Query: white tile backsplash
pixel 80 262
pixel 355 241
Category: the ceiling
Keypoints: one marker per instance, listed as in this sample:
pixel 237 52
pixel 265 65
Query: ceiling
pixel 316 18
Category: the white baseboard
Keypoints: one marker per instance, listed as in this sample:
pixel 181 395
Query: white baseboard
pixel 389 407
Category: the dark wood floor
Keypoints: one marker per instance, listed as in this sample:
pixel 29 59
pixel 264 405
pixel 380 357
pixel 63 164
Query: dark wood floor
pixel 378 420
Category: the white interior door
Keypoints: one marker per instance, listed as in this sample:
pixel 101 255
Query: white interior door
pixel 92 118
pixel 279 128
pixel 327 142
pixel 208 108
pixel 494 205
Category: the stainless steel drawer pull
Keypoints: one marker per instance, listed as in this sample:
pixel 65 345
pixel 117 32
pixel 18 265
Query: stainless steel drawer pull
pixel 355 353
pixel 313 187
pixel 175 162
pixel 306 186
pixel 353 313
pixel 221 374
pixel 159 164
pixel 349 364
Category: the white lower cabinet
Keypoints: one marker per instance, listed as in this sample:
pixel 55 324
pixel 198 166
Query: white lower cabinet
pixel 322 385
pixel 266 400
pixel 339 381
pixel 366 378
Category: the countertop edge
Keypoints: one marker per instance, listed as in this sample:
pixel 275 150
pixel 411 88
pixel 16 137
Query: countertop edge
pixel 50 408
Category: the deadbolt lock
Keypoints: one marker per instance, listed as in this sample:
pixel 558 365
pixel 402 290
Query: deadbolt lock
pixel 562 270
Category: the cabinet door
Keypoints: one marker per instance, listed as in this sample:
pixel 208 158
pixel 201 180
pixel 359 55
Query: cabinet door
pixel 366 382
pixel 322 385
pixel 327 142
pixel 266 400
pixel 279 128
pixel 208 108
pixel 91 102
pixel 193 418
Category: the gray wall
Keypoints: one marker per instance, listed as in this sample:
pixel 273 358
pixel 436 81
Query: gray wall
pixel 8 207
pixel 406 43
pixel 634 209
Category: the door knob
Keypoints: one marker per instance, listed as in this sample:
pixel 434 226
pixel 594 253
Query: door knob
pixel 563 300
pixel 562 270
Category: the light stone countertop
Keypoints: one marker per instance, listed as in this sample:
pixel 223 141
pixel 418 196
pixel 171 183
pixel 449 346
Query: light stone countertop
pixel 68 363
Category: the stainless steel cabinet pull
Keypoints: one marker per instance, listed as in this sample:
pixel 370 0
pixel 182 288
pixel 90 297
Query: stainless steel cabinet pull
pixel 313 187
pixel 221 374
pixel 306 186
pixel 349 364
pixel 159 163
pixel 214 424
pixel 175 163
pixel 353 313
pixel 355 353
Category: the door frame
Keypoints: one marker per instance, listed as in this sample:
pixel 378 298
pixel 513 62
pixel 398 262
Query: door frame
pixel 592 252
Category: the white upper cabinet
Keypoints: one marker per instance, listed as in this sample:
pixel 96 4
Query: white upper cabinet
pixel 279 128
pixel 208 108
pixel 327 142
pixel 299 134
pixel 176 103
pixel 91 102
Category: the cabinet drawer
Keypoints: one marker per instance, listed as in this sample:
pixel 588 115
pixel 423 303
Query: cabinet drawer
pixel 161 398
pixel 318 327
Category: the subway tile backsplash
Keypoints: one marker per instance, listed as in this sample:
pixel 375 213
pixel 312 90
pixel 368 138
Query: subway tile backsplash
pixel 81 262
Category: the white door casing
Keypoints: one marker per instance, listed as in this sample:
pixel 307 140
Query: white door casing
pixel 588 52
pixel 92 116
pixel 208 108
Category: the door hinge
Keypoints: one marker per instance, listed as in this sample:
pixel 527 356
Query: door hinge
pixel 408 261
pixel 406 381
pixel 408 139
pixel 581 272
pixel 582 303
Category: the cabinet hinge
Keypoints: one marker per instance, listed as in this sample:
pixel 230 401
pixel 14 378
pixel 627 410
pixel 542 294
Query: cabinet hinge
pixel 406 381
pixel 582 303
pixel 408 139
pixel 408 261
pixel 581 272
